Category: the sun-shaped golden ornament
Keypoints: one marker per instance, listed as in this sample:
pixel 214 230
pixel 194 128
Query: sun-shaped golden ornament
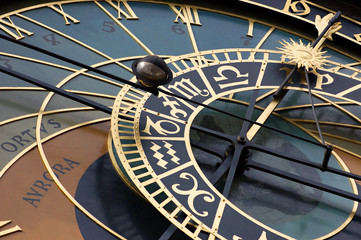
pixel 303 55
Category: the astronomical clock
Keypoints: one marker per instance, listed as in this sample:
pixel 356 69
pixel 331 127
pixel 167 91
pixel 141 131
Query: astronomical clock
pixel 146 119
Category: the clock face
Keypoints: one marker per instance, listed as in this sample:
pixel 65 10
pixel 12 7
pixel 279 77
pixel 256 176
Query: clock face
pixel 212 155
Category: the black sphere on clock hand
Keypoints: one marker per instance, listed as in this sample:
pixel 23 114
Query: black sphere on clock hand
pixel 151 71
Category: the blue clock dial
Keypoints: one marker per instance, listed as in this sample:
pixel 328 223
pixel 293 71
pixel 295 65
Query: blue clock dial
pixel 172 163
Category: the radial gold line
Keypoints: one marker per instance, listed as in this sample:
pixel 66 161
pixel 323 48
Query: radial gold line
pixel 50 170
pixel 339 67
pixel 124 28
pixel 148 182
pixel 126 103
pixel 216 59
pixel 206 82
pixel 198 230
pixel 266 95
pixel 175 212
pixel 338 137
pixel 185 64
pixel 192 38
pixel 72 39
pixel 92 94
pixel 186 221
pixel 22 89
pixel 31 146
pixel 263 118
pixel 126 132
pixel 37 61
pixel 309 105
pixel 165 202
pixel 126 137
pixel 125 120
pixel 138 167
pixel 176 66
pixel 155 193
pixel 131 100
pixel 162 138
pixel 131 152
pixel 260 43
pixel 339 107
pixel 327 123
pixel 134 160
pixel 31 115
pixel 117 168
pixel 349 90
pixel 143 175
pixel 126 126
pixel 129 145
pixel 67 68
pixel 262 71
pixel 125 115
pixel 348 151
pixel 218 216
pixel 227 57
pixel 174 170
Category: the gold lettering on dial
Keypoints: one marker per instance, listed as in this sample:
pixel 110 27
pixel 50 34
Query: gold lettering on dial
pixel 171 154
pixel 159 127
pixel 193 193
pixel 288 71
pixel 224 78
pixel 299 7
pixel 17 33
pixel 323 79
pixel 67 17
pixel 188 89
pixel 186 13
pixel 358 37
pixel 129 15
pixel 250 28
pixel 175 112
pixel 9 230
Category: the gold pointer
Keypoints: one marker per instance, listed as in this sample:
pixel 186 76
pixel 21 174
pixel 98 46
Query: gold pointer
pixel 326 26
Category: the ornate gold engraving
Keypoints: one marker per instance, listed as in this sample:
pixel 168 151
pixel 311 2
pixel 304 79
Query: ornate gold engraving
pixel 303 55
pixel 193 193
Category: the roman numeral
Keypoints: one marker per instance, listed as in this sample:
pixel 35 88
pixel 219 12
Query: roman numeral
pixel 16 32
pixel 186 14
pixel 129 15
pixel 67 17
pixel 9 230
pixel 358 37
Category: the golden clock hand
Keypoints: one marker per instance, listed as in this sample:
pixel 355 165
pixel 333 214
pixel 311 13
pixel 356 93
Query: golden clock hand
pixel 277 98
pixel 326 27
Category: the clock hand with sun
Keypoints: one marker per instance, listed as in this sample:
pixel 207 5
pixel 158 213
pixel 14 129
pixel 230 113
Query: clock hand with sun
pixel 326 27
pixel 237 142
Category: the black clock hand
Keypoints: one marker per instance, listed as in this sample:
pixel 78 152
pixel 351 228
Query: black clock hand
pixel 238 145
pixel 152 90
pixel 57 90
